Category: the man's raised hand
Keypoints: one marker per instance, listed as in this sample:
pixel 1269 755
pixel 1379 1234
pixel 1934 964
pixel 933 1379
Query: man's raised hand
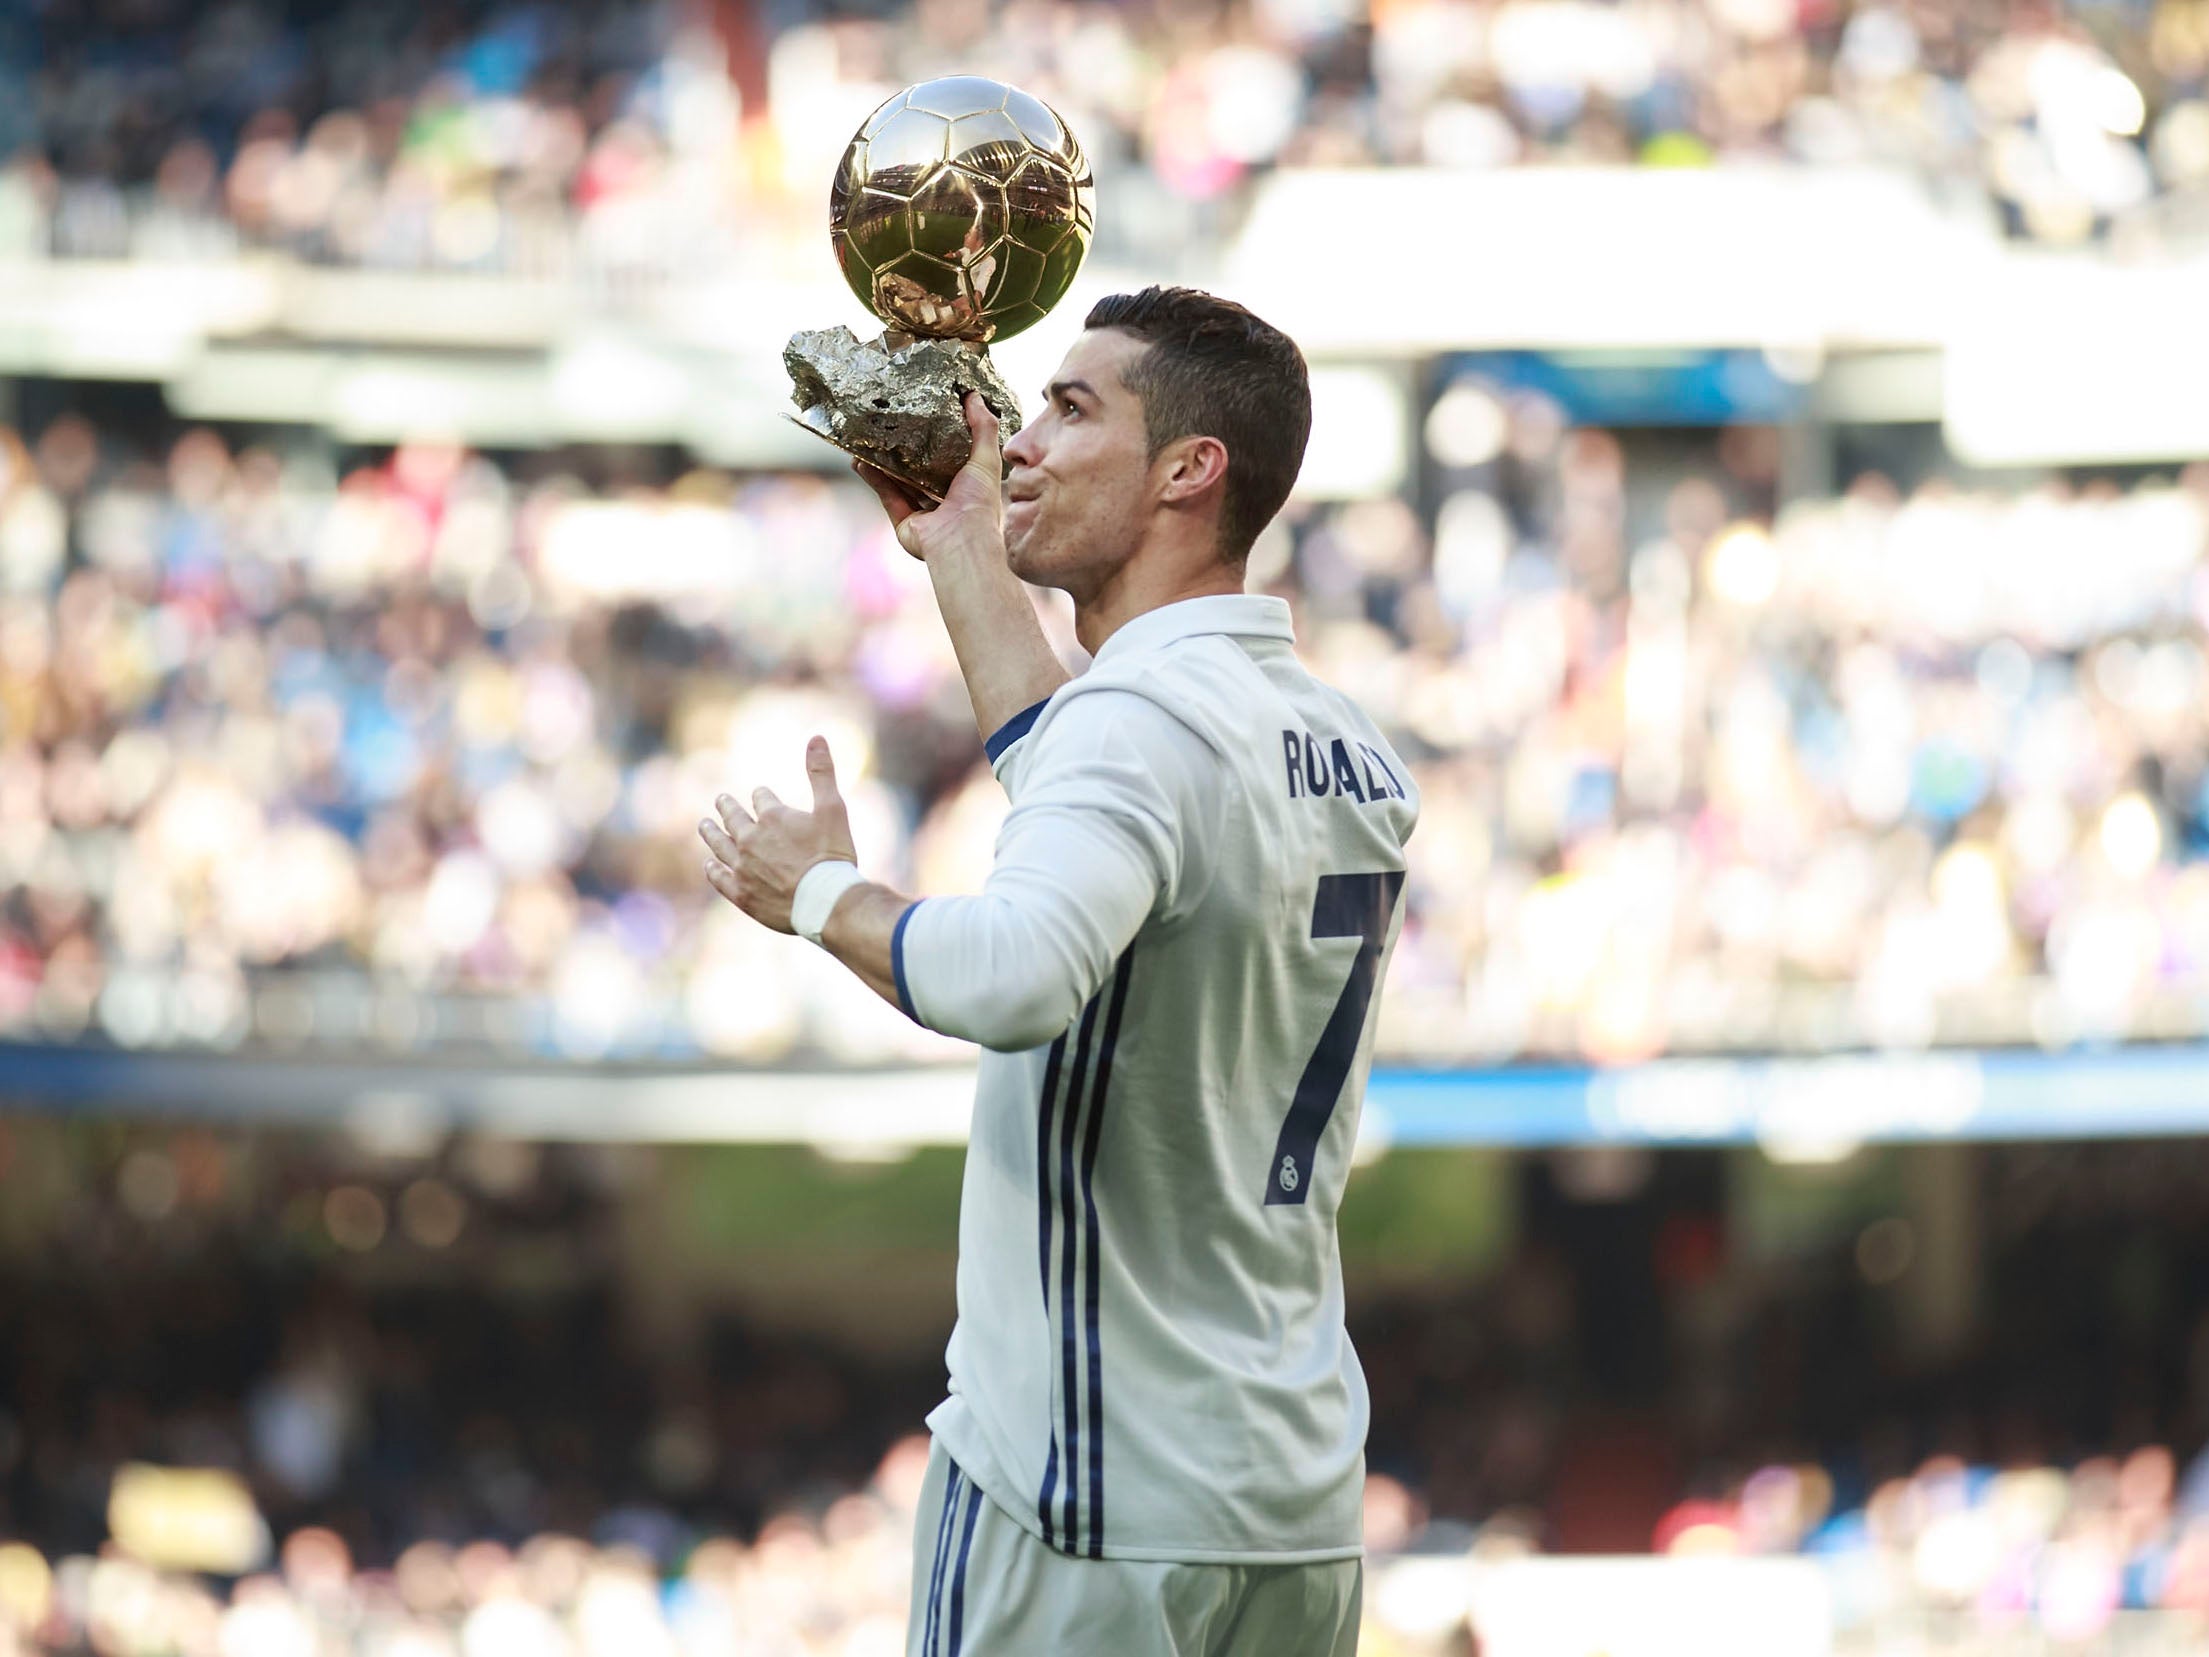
pixel 760 856
pixel 973 509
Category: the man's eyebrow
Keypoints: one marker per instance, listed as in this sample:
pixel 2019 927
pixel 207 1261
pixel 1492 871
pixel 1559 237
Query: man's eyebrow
pixel 1058 388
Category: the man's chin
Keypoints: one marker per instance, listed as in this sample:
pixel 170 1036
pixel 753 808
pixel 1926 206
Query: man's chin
pixel 1021 557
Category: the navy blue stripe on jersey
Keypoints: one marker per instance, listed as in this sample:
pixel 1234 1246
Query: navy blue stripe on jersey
pixel 1044 1109
pixel 958 1574
pixel 1091 1267
pixel 1045 1502
pixel 1069 1121
pixel 897 963
pixel 944 1528
pixel 1012 731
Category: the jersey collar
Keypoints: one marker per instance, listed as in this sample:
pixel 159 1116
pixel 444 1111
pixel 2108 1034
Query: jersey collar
pixel 1245 615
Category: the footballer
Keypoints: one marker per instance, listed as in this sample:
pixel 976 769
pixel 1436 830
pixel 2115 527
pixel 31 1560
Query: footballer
pixel 1154 1437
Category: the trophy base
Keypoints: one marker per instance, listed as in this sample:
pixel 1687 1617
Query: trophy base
pixel 933 497
pixel 897 403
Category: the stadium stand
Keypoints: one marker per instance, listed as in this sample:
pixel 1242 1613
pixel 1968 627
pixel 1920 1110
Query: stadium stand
pixel 386 1451
pixel 544 139
pixel 1882 768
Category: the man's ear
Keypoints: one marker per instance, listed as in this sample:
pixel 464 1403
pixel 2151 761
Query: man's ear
pixel 1189 467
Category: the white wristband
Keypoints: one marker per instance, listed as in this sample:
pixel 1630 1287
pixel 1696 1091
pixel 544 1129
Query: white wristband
pixel 815 899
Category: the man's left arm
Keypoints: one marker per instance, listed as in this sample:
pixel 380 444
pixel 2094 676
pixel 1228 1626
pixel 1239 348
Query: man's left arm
pixel 1083 861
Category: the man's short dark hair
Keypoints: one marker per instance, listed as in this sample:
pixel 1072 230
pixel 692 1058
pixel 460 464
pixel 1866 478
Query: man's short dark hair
pixel 1214 370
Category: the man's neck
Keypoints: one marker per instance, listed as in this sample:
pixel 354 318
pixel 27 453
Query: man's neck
pixel 1134 591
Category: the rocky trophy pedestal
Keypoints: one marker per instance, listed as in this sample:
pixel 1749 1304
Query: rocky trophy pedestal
pixel 897 402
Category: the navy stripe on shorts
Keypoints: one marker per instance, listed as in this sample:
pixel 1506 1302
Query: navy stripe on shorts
pixel 958 1573
pixel 944 1526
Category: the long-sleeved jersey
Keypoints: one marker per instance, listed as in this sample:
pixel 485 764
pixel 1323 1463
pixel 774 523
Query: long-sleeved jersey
pixel 1173 967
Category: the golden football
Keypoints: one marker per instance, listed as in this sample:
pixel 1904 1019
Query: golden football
pixel 962 209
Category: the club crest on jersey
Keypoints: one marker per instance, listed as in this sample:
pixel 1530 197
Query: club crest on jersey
pixel 1289 1177
pixel 1315 772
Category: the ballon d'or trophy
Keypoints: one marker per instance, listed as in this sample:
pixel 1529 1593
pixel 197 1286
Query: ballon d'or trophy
pixel 959 215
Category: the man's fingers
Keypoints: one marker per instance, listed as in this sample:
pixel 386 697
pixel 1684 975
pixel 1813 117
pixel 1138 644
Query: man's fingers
pixel 820 770
pixel 981 422
pixel 763 801
pixel 717 841
pixel 722 879
pixel 733 816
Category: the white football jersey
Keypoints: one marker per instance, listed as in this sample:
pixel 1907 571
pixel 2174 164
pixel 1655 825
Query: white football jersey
pixel 1175 963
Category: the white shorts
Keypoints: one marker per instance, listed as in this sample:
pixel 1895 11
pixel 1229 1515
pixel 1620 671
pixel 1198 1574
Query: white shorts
pixel 984 1587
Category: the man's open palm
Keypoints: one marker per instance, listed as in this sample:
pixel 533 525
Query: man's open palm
pixel 760 856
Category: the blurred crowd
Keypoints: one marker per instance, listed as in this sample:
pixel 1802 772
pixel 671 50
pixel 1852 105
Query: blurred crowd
pixel 540 140
pixel 655 137
pixel 1943 1561
pixel 304 1396
pixel 1883 766
pixel 1946 1561
pixel 260 713
pixel 504 1512
pixel 408 748
pixel 269 1399
pixel 2055 1552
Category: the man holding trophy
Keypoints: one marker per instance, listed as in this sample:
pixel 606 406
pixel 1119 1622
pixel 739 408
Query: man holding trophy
pixel 1154 1436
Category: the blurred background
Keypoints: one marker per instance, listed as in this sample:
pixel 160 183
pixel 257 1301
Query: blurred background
pixel 1760 479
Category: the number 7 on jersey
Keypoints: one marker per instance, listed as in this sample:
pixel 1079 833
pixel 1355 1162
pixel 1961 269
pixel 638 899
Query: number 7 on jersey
pixel 1345 906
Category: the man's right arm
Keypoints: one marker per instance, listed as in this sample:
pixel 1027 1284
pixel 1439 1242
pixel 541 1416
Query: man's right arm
pixel 1008 664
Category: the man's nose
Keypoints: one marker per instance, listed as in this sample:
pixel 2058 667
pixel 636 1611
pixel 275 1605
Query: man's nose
pixel 1021 450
